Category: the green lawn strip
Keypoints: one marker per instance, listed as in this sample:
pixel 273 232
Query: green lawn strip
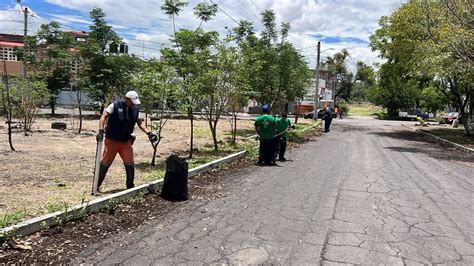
pixel 363 109
pixel 455 135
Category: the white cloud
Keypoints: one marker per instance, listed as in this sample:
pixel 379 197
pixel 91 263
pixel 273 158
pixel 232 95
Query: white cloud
pixel 338 23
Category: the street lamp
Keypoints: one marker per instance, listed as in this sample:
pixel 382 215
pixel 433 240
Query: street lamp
pixel 316 90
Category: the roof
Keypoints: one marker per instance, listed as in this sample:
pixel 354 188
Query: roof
pixel 11 38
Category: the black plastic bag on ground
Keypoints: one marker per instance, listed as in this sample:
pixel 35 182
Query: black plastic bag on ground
pixel 175 185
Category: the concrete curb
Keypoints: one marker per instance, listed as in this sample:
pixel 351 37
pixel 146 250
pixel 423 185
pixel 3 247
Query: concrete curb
pixel 36 224
pixel 441 140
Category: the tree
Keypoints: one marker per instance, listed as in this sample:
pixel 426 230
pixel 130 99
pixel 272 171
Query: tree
pixel 336 64
pixel 223 82
pixel 6 103
pixel 26 98
pixel 190 55
pixel 364 81
pixel 52 62
pixel 108 74
pixel 432 100
pixel 156 83
pixel 432 39
pixel 278 71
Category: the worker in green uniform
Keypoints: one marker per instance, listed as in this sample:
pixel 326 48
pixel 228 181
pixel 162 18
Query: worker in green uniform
pixel 265 127
pixel 283 124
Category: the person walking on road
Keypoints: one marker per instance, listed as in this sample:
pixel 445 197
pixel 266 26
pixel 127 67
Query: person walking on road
pixel 283 124
pixel 121 117
pixel 265 127
pixel 327 119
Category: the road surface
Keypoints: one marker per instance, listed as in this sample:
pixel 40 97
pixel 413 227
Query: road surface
pixel 368 192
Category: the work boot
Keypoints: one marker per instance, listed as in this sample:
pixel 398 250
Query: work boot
pixel 102 172
pixel 130 170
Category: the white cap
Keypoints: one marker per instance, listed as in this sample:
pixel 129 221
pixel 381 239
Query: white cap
pixel 133 95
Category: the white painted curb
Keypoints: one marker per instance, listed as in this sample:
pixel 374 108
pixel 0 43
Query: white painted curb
pixel 444 141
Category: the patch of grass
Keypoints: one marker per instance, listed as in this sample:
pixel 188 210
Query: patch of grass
pixel 455 135
pixel 244 132
pixel 11 218
pixel 381 115
pixel 204 133
pixel 52 206
pixel 363 109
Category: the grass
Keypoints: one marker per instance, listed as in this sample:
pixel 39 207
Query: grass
pixel 363 109
pixel 455 135
pixel 12 218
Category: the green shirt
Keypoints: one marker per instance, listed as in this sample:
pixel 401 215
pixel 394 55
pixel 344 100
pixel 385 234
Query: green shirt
pixel 282 125
pixel 266 126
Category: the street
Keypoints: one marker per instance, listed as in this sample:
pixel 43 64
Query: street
pixel 368 192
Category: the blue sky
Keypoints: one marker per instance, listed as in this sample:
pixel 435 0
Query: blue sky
pixel 337 24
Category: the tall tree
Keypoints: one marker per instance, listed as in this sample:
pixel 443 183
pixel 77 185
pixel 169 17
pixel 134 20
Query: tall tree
pixel 432 39
pixel 279 73
pixel 190 54
pixel 337 64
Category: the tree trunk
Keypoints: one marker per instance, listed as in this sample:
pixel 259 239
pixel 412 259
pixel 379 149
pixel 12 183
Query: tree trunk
pixel 53 105
pixel 466 123
pixel 7 105
pixel 296 113
pixel 234 135
pixel 146 119
pixel 80 119
pixel 155 148
pixel 191 141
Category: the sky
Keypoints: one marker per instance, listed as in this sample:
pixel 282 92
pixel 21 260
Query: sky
pixel 337 24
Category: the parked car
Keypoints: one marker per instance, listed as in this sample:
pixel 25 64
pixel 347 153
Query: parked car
pixel 448 118
pixel 320 114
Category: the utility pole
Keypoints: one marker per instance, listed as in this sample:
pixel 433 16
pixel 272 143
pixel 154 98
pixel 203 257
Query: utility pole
pixel 316 90
pixel 25 35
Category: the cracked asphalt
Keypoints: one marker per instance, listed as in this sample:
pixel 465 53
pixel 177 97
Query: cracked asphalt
pixel 368 192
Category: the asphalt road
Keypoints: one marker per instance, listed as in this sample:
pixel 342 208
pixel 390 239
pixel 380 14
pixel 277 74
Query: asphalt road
pixel 368 192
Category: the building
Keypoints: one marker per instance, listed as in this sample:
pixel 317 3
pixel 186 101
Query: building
pixel 326 92
pixel 8 45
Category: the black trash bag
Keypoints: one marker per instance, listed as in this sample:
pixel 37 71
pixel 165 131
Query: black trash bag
pixel 175 185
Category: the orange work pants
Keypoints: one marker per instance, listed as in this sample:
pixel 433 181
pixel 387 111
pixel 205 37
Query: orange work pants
pixel 112 147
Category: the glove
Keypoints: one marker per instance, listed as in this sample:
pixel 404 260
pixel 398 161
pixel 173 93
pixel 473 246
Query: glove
pixel 152 137
pixel 293 127
pixel 100 135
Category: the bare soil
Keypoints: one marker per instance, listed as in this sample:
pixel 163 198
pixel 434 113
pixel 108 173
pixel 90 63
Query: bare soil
pixel 52 168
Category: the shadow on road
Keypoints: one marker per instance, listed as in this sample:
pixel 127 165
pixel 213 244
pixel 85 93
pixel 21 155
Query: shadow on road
pixel 422 144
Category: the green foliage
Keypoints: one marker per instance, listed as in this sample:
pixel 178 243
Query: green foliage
pixel 26 97
pixel 337 65
pixel 432 100
pixel 106 75
pixel 430 40
pixel 342 104
pixel 277 71
pixel 12 218
pixel 53 206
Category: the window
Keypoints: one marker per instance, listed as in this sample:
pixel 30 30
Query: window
pixel 8 53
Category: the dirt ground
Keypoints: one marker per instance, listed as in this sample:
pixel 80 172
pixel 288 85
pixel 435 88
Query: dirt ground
pixel 51 168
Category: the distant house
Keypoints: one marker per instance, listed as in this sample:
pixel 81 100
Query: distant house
pixel 8 44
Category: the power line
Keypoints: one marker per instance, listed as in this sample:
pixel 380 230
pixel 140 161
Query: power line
pixel 255 5
pixel 248 10
pixel 222 10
